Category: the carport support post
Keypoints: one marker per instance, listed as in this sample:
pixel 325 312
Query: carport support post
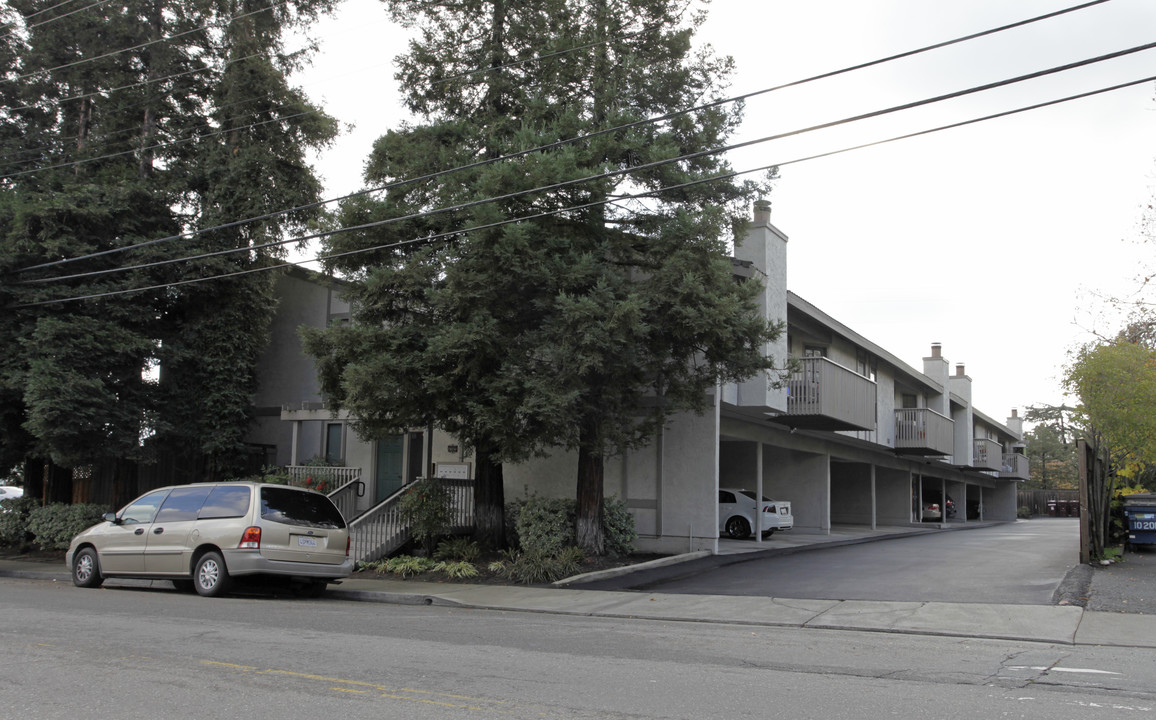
pixel 759 493
pixel 874 508
pixel 943 501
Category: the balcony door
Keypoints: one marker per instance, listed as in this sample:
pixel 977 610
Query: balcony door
pixel 388 471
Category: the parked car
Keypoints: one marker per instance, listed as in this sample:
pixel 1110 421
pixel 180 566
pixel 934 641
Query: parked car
pixel 932 497
pixel 203 536
pixel 736 514
pixel 9 492
pixel 931 511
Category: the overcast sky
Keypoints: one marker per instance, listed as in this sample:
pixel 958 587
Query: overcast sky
pixel 996 239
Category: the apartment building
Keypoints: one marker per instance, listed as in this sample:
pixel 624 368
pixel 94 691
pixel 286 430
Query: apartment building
pixel 853 436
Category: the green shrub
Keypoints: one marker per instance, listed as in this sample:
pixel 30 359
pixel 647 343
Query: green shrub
pixel 406 565
pixel 570 562
pixel 618 527
pixel 456 569
pixel 14 521
pixel 1024 512
pixel 545 526
pixel 425 507
pixel 532 566
pixel 459 549
pixel 54 526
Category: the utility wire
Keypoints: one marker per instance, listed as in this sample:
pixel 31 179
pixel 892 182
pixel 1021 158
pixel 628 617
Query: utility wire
pixel 166 38
pixel 133 151
pixel 561 143
pixel 609 174
pixel 550 213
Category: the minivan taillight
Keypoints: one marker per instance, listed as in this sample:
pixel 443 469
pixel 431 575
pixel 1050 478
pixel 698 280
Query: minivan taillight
pixel 251 539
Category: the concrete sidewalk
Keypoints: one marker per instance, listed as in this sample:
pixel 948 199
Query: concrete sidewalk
pixel 1064 624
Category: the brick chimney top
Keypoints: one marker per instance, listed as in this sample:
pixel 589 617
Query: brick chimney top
pixel 959 370
pixel 936 350
pixel 1015 413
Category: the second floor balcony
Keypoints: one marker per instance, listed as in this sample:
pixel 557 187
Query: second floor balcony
pixel 987 455
pixel 922 431
pixel 1015 466
pixel 824 395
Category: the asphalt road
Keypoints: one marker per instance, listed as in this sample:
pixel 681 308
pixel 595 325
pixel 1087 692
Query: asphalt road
pixel 1018 563
pixel 142 653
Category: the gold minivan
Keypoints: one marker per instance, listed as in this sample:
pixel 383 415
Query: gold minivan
pixel 202 536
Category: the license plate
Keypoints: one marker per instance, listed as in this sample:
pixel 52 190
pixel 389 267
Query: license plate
pixel 303 541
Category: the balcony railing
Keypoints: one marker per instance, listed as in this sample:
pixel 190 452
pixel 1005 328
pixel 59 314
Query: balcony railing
pixel 824 395
pixel 922 431
pixel 987 455
pixel 1015 466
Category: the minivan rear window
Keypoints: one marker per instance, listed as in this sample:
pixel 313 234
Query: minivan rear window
pixel 226 501
pixel 294 507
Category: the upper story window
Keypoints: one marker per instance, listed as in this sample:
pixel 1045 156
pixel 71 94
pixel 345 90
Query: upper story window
pixel 910 401
pixel 814 351
pixel 865 364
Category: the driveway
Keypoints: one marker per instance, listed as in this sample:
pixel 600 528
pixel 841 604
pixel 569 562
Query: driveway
pixel 1015 563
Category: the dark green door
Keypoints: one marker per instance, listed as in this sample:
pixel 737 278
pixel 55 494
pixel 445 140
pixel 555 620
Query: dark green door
pixel 390 453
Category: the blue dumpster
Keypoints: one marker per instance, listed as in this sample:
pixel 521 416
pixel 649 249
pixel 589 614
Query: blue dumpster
pixel 1140 510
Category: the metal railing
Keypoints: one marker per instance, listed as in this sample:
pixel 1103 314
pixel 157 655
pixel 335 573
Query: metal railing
pixel 381 530
pixel 825 388
pixel 924 429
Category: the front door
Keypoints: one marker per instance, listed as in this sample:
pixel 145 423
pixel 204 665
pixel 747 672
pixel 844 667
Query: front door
pixel 390 453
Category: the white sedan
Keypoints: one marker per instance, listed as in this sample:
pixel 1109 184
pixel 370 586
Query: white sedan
pixel 736 513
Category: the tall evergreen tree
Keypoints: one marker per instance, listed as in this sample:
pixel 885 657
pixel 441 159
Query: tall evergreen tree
pixel 556 330
pixel 133 120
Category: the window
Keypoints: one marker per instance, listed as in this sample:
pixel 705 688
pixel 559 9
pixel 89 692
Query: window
pixel 226 501
pixel 333 443
pixel 726 498
pixel 294 507
pixel 183 504
pixel 814 351
pixel 865 364
pixel 910 401
pixel 143 510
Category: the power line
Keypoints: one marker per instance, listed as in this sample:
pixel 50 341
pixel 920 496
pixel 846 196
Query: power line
pixel 602 176
pixel 166 38
pixel 561 143
pixel 133 151
pixel 550 213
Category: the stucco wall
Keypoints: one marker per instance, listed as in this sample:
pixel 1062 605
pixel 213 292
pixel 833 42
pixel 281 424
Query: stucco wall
pixel 803 479
pixel 851 494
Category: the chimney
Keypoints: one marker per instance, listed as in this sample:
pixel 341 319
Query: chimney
pixel 762 212
pixel 959 370
pixel 936 350
pixel 1015 413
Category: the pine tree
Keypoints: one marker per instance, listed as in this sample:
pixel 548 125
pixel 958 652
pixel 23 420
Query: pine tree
pixel 557 330
pixel 133 122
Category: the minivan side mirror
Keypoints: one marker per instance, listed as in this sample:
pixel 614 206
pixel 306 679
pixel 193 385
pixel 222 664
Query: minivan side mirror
pixel 112 518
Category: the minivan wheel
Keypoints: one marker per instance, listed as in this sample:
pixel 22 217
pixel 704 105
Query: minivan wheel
pixel 738 528
pixel 210 576
pixel 86 569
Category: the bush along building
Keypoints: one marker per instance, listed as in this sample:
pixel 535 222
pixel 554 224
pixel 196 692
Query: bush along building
pixel 852 435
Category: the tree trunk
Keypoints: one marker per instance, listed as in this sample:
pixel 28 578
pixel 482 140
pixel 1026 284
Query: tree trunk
pixel 591 476
pixel 489 501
